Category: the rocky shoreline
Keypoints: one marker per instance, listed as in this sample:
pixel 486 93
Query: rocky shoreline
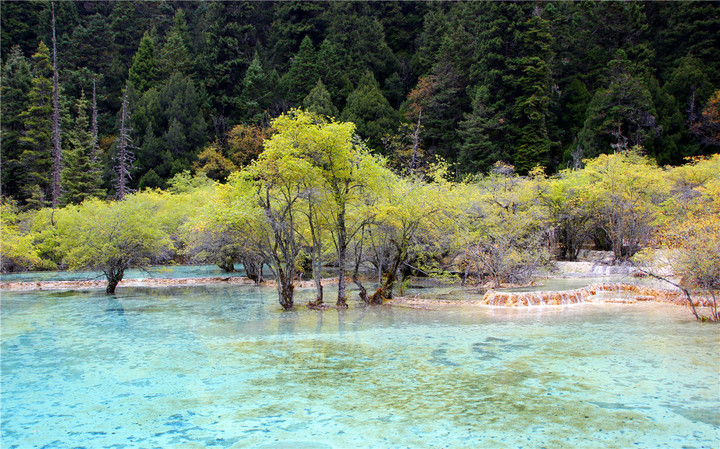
pixel 146 282
pixel 595 293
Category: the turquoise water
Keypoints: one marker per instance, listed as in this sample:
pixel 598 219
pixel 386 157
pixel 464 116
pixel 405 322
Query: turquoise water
pixel 163 272
pixel 224 367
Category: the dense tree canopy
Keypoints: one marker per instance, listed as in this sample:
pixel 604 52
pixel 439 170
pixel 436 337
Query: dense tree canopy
pixel 527 84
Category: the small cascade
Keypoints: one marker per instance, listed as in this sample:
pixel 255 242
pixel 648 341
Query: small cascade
pixel 587 294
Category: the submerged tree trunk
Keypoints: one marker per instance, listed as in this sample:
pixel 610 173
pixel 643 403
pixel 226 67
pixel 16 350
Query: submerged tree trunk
pixel 315 258
pixel 391 278
pixel 286 289
pixel 253 269
pixel 114 276
pixel 342 252
pixel 226 266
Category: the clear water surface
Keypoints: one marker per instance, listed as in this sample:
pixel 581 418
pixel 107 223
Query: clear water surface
pixel 160 271
pixel 224 367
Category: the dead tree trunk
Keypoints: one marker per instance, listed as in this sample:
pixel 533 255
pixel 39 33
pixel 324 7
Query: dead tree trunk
pixel 124 157
pixel 95 152
pixel 57 150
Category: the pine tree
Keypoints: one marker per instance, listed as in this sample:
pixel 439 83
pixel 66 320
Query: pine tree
pixel 171 129
pixel 333 71
pixel 143 71
pixel 303 73
pixel 371 112
pixel 256 92
pixel 444 110
pixel 620 116
pixel 174 57
pixel 14 90
pixel 319 101
pixel 532 104
pixel 35 163
pixel 80 177
pixel 479 129
pixel 292 21
pixel 225 50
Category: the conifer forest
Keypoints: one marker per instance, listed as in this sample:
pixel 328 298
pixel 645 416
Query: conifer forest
pixel 194 86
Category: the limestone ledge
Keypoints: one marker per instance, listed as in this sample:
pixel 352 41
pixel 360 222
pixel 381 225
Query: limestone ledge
pixel 595 293
pixel 101 283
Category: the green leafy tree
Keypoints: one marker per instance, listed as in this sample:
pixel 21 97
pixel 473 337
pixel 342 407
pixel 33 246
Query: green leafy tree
pixel 19 251
pixel 492 250
pixel 627 192
pixel 112 237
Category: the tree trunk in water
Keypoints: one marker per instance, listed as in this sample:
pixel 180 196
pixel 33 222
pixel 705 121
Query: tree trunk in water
pixel 227 267
pixel 387 289
pixel 113 277
pixel 342 251
pixel 363 291
pixel 286 290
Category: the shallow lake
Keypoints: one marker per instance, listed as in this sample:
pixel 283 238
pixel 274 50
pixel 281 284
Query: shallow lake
pixel 224 367
pixel 160 271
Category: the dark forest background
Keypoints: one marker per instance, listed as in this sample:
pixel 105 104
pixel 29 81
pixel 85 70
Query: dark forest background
pixel 531 83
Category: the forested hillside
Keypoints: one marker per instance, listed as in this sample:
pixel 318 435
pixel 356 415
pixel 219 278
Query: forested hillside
pixel 147 90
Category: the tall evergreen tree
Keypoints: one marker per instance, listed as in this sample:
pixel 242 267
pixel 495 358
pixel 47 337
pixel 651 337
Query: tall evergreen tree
pixel 81 176
pixel 333 71
pixel 303 73
pixel 174 57
pixel 320 102
pixel 361 36
pixel 619 116
pixel 370 111
pixel 256 92
pixel 172 131
pixel 479 130
pixel 228 39
pixel 56 133
pixel 444 110
pixel 143 72
pixel 532 104
pixel 37 147
pixel 292 22
pixel 14 91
